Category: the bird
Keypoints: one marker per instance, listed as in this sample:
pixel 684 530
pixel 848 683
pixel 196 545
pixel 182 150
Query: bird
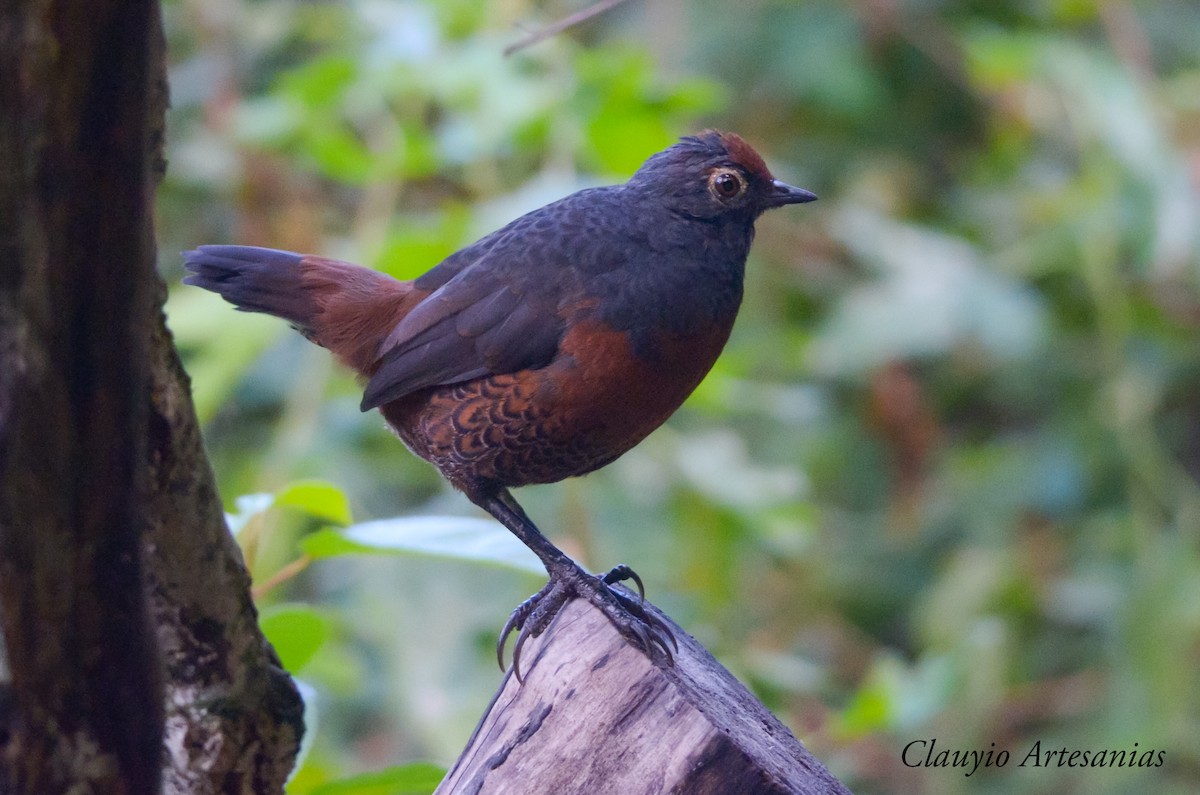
pixel 546 349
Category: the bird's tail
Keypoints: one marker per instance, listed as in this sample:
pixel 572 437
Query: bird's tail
pixel 254 280
pixel 343 307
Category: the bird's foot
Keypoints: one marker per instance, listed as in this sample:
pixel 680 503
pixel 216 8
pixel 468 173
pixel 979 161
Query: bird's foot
pixel 649 632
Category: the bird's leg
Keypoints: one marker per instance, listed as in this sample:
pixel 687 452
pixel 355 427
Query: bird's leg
pixel 567 581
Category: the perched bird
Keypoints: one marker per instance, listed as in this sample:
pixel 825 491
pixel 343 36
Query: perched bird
pixel 546 349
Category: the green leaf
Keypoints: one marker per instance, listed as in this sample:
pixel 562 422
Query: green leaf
pixel 416 778
pixel 996 59
pixel 413 246
pixel 318 498
pixel 454 537
pixel 269 120
pixel 320 82
pixel 895 695
pixel 296 632
pixel 338 152
pixel 220 345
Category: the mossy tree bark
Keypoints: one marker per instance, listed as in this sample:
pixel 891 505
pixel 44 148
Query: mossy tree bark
pixel 133 654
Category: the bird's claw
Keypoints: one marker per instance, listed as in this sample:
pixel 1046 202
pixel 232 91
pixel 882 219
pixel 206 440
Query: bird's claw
pixel 620 573
pixel 656 629
pixel 531 618
pixel 517 620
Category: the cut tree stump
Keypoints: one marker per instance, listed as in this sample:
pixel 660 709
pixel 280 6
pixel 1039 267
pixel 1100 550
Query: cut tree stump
pixel 596 716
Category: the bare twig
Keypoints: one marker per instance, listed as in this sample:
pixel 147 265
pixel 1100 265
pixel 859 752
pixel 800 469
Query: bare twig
pixel 283 575
pixel 583 15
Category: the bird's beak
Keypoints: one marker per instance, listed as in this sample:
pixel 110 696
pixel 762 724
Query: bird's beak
pixel 783 193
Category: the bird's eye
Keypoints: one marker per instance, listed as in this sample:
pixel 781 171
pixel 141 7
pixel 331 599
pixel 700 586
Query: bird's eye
pixel 726 184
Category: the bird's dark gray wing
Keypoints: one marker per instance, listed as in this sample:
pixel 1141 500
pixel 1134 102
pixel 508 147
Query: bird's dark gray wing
pixel 472 326
pixel 498 306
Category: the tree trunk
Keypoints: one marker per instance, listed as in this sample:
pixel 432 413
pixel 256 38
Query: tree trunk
pixel 596 716
pixel 131 641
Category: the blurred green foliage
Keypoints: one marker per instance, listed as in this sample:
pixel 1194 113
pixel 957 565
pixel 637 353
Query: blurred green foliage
pixel 942 484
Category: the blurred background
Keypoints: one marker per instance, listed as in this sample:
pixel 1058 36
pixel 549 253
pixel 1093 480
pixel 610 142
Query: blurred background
pixel 943 483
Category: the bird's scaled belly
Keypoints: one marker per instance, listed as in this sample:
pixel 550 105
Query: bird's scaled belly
pixel 585 409
pixel 511 430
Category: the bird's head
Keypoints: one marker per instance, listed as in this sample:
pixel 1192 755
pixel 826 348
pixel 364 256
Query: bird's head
pixel 715 174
